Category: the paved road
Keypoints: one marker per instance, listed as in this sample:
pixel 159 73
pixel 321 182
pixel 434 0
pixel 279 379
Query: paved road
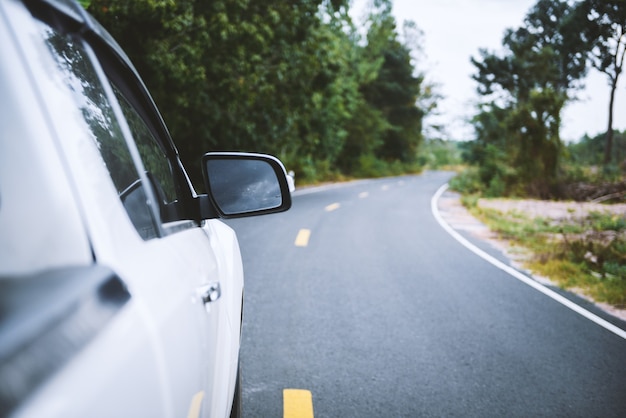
pixel 381 313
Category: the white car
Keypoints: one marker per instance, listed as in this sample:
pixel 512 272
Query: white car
pixel 120 290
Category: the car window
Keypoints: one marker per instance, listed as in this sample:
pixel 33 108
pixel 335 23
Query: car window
pixel 152 155
pixel 81 79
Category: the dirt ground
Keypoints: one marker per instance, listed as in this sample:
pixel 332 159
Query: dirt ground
pixel 459 218
pixel 553 210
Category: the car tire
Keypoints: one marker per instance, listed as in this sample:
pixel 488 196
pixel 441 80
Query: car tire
pixel 235 411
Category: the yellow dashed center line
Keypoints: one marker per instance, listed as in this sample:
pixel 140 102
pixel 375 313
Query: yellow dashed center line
pixel 332 207
pixel 297 403
pixel 302 239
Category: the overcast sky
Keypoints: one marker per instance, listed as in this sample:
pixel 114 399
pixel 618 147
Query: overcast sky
pixel 454 30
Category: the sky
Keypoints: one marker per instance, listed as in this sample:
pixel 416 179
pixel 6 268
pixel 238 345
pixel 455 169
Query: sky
pixel 455 30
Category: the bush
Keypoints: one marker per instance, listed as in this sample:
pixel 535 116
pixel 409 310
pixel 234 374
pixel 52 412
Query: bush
pixel 467 182
pixel 496 188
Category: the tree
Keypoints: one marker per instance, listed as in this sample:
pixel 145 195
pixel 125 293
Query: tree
pixel 396 89
pixel 525 90
pixel 604 23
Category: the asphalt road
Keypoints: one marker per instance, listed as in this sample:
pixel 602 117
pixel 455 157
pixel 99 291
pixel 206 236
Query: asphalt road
pixel 381 313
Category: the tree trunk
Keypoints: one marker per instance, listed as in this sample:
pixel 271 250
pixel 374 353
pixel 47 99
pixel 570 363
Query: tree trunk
pixel 618 62
pixel 608 145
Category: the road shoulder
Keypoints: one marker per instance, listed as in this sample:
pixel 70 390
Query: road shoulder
pixel 459 218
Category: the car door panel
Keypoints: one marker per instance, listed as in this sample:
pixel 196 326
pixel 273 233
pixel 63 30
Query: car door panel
pixel 106 379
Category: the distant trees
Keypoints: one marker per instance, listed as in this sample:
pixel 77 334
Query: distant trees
pixel 525 87
pixel 590 151
pixel 293 79
pixel 387 125
pixel 604 27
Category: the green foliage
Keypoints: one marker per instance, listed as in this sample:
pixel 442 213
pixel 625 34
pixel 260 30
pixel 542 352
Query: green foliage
pixel 292 79
pixel 590 150
pixel 518 148
pixel 370 166
pixel 604 222
pixel 395 90
pixel 586 177
pixel 437 153
pixel 467 182
pixel 518 145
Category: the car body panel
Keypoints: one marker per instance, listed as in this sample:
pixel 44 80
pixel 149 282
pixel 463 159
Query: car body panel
pixel 39 202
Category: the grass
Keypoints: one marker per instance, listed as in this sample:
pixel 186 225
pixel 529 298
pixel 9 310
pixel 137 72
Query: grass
pixel 588 255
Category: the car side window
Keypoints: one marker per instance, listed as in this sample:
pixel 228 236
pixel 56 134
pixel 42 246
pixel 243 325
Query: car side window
pixel 153 156
pixel 80 77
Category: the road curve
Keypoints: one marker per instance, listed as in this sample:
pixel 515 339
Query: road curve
pixel 381 312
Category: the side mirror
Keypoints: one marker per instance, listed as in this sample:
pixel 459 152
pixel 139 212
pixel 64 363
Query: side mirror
pixel 243 184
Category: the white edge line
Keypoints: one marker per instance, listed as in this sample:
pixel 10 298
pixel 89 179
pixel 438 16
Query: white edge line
pixel 510 270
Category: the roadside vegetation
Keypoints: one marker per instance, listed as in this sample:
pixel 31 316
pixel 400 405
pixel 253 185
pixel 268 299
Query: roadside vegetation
pixel 518 152
pixel 586 254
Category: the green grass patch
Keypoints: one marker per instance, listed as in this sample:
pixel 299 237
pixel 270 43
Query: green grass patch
pixel 587 254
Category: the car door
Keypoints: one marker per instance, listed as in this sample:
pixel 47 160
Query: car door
pixel 187 290
pixel 134 201
pixel 187 255
pixel 173 263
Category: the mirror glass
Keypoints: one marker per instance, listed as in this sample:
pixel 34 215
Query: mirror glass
pixel 243 185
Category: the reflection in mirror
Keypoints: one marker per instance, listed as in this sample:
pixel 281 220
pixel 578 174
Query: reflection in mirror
pixel 243 185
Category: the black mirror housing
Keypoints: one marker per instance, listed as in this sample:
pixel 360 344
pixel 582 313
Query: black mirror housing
pixel 245 184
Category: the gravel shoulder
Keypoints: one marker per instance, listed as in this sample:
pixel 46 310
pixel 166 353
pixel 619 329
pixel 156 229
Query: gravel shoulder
pixel 459 218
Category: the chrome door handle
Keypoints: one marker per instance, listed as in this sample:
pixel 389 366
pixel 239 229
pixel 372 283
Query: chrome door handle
pixel 210 292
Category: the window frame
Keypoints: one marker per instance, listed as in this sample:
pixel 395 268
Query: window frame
pixel 112 67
